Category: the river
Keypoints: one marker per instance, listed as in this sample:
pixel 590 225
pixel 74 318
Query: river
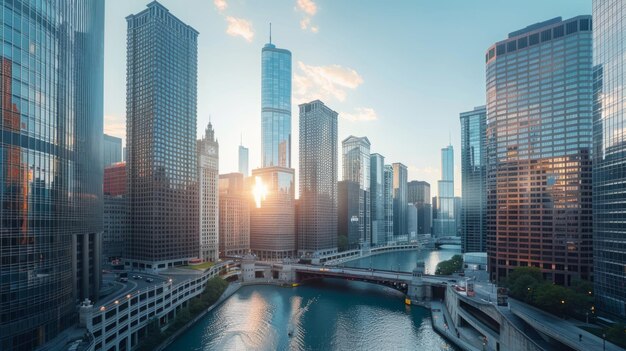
pixel 322 315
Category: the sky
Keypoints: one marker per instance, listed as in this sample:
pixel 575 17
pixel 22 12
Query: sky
pixel 398 72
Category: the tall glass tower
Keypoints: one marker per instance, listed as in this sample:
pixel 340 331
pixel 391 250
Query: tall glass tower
pixel 474 180
pixel 275 106
pixel 539 124
pixel 445 224
pixel 51 108
pixel 356 167
pixel 400 199
pixel 388 202
pixel 161 130
pixel 317 225
pixel 377 198
pixel 609 139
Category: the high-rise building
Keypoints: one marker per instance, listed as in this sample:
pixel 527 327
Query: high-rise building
pixel 400 199
pixel 411 221
pixel 208 182
pixel 474 180
pixel 234 213
pixel 418 194
pixel 348 213
pixel 388 202
pixel 50 166
pixel 112 150
pixel 609 147
pixel 161 139
pixel 272 218
pixel 115 179
pixel 275 106
pixel 539 125
pixel 445 223
pixel 356 167
pixel 457 214
pixel 317 226
pixel 377 199
pixel 116 219
pixel 243 161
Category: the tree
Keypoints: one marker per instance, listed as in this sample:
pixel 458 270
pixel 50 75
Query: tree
pixel 342 243
pixel 450 266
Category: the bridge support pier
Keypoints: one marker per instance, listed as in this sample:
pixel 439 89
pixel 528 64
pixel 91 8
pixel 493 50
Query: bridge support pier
pixel 419 292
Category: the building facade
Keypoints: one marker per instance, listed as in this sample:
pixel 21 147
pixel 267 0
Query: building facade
pixel 418 194
pixel 400 199
pixel 234 214
pixel 388 202
pixel 243 161
pixel 356 167
pixel 272 217
pixel 317 224
pixel 112 150
pixel 474 180
pixel 445 223
pixel 50 166
pixel 377 199
pixel 115 179
pixel 208 182
pixel 116 215
pixel 275 106
pixel 609 145
pixel 161 139
pixel 539 126
pixel 348 214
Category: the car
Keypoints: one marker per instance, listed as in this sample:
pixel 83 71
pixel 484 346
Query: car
pixel 149 280
pixel 123 280
pixel 136 277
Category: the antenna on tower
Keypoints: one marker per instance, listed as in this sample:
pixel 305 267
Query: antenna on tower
pixel 270 32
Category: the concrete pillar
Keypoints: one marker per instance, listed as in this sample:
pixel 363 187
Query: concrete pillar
pixel 247 268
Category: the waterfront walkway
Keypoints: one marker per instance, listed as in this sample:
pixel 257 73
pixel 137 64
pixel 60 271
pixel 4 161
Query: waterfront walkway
pixel 442 323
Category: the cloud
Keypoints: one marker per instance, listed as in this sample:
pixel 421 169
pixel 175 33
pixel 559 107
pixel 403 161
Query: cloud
pixel 308 6
pixel 360 114
pixel 305 22
pixel 240 27
pixel 115 125
pixel 220 4
pixel 323 82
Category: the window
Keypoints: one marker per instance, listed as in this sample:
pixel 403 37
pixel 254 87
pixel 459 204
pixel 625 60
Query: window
pixel 558 31
pixel 522 42
pixel 500 49
pixel 546 35
pixel 533 39
pixel 584 24
pixel 511 46
pixel 572 27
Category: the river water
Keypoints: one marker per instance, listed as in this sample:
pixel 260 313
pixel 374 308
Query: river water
pixel 322 315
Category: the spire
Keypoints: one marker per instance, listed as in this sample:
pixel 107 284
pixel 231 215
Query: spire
pixel 270 32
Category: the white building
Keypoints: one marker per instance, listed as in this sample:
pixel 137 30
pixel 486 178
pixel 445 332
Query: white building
pixel 208 182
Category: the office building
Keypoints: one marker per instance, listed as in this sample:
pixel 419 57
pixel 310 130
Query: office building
pixel 388 202
pixel 317 225
pixel 272 218
pixel 445 224
pixel 234 214
pixel 116 215
pixel 243 161
pixel 112 150
pixel 411 221
pixel 349 194
pixel 474 180
pixel 275 106
pixel 539 127
pixel 400 199
pixel 377 199
pixel 50 167
pixel 208 181
pixel 418 194
pixel 161 140
pixel 609 146
pixel 115 179
pixel 356 167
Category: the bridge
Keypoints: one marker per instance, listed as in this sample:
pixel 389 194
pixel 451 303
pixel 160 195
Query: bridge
pixel 447 240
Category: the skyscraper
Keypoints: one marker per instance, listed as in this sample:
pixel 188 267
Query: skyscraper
pixel 317 227
pixel 161 139
pixel 609 146
pixel 400 199
pixel 474 180
pixel 50 166
pixel 275 106
pixel 445 224
pixel 539 127
pixel 208 182
pixel 418 194
pixel 388 202
pixel 243 161
pixel 356 167
pixel 112 150
pixel 234 213
pixel 116 219
pixel 348 193
pixel 377 199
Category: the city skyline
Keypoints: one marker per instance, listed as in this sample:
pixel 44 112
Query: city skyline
pixel 237 69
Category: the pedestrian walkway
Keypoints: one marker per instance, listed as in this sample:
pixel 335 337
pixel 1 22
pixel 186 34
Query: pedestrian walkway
pixel 444 325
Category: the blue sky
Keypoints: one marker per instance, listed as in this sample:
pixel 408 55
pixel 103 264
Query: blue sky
pixel 398 72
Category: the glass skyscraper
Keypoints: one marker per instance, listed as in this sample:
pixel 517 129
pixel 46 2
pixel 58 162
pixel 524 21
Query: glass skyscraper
pixel 609 163
pixel 400 199
pixel 474 180
pixel 243 160
pixel 317 227
pixel 275 106
pixel 377 198
pixel 112 150
pixel 161 139
pixel 445 224
pixel 356 167
pixel 388 202
pixel 539 126
pixel 50 166
pixel 418 194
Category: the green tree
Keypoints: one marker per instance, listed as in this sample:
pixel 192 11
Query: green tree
pixel 342 242
pixel 450 266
